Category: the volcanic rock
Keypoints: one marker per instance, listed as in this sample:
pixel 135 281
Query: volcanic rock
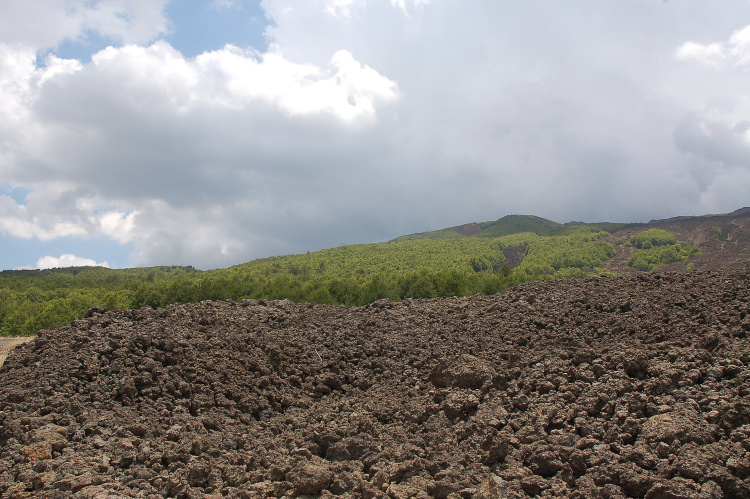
pixel 600 387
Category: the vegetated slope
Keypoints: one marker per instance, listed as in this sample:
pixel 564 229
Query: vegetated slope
pixel 600 387
pixel 509 224
pixel 724 241
pixel 389 257
pixel 460 261
pixel 516 224
pixel 352 275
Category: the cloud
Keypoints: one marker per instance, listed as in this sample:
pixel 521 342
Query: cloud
pixel 339 9
pixel 117 225
pixel 726 184
pixel 223 4
pixel 366 120
pixel 734 52
pixel 157 82
pixel 710 55
pixel 345 89
pixel 402 4
pixel 715 136
pixel 104 127
pixel 52 211
pixel 67 260
pixel 44 24
pixel 708 135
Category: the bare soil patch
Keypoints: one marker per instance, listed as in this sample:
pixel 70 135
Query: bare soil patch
pixel 514 255
pixel 592 388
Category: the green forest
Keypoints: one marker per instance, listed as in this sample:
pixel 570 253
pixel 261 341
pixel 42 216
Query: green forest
pixel 441 263
pixel 656 247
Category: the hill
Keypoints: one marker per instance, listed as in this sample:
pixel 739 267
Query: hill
pixel 515 224
pixel 473 258
pixel 632 386
pixel 510 224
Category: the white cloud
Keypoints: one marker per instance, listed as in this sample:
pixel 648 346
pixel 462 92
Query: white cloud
pixel 739 47
pixel 67 260
pixel 710 55
pixel 18 221
pixel 17 76
pixel 345 89
pixel 158 79
pixel 117 225
pixel 54 66
pixel 735 51
pixel 42 24
pixel 53 211
pixel 339 9
pixel 366 120
pixel 22 229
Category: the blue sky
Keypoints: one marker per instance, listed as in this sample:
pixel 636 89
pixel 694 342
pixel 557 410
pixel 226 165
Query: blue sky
pixel 200 26
pixel 196 26
pixel 210 133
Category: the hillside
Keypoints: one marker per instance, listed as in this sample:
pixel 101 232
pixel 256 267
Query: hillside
pixel 474 258
pixel 724 241
pixel 507 225
pixel 516 224
pixel 600 387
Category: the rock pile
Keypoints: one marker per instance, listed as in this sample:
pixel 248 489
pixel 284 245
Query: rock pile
pixel 601 387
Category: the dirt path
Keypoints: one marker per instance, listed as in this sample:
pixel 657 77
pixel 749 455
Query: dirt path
pixel 8 344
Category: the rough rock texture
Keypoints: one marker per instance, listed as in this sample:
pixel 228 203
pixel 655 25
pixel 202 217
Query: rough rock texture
pixel 603 387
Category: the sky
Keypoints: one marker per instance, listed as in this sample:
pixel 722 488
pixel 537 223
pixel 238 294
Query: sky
pixel 214 132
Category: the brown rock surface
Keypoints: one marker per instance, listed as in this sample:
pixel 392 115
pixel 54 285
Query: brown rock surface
pixel 602 387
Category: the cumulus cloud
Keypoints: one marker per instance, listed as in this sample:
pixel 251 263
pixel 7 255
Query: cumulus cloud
pixel 43 24
pixel 67 260
pixel 117 225
pixel 133 126
pixel 345 89
pixel 735 51
pixel 52 211
pixel 711 55
pixel 363 121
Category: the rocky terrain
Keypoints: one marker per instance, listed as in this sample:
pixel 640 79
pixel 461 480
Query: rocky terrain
pixel 723 239
pixel 595 388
